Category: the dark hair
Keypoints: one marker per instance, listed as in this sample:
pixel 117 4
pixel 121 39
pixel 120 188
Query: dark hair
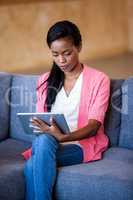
pixel 55 80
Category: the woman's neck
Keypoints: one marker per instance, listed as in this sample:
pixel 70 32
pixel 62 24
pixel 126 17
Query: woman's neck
pixel 74 74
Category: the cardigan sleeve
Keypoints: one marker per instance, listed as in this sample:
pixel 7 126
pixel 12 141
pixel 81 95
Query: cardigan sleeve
pixel 99 105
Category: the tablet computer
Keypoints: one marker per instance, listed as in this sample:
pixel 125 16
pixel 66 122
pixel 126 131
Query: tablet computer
pixel 26 121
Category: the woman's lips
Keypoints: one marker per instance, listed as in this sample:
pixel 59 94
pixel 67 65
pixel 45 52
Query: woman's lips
pixel 64 67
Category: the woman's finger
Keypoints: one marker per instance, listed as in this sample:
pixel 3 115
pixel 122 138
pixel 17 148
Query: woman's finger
pixel 36 123
pixel 41 122
pixel 37 120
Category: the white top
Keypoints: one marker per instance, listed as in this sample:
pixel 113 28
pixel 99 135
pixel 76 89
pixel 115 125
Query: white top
pixel 69 105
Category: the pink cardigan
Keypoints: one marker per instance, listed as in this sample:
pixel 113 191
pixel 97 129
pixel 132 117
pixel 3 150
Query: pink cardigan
pixel 93 105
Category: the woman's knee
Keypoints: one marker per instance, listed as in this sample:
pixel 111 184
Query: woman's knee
pixel 45 142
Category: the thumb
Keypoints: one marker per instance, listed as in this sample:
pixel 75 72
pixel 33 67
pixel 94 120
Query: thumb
pixel 52 121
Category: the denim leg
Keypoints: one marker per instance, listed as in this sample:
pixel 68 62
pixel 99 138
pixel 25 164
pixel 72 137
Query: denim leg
pixel 40 170
pixel 69 154
pixel 44 166
pixel 28 173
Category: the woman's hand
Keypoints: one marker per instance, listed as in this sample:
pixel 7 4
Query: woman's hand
pixel 53 129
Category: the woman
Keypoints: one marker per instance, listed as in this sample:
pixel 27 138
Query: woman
pixel 82 94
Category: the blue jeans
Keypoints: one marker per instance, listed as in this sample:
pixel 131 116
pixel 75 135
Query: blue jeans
pixel 41 169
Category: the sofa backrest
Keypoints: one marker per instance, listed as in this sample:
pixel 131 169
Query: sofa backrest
pixel 119 118
pixel 113 116
pixel 126 131
pixel 5 81
pixel 23 99
pixel 117 123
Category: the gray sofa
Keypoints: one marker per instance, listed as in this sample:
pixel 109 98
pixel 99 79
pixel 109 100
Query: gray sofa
pixel 108 179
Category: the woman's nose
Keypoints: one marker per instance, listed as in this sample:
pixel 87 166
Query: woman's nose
pixel 62 59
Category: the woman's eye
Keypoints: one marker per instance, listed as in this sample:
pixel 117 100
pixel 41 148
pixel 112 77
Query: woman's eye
pixel 55 55
pixel 67 54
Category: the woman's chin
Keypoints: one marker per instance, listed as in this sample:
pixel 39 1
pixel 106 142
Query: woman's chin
pixel 65 69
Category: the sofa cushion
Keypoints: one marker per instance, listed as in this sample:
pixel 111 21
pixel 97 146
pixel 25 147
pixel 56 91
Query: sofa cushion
pixel 12 184
pixel 126 133
pixel 23 98
pixel 108 179
pixel 5 81
pixel 113 115
pixel 119 154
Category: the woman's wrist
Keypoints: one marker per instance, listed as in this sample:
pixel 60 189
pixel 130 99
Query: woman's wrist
pixel 65 137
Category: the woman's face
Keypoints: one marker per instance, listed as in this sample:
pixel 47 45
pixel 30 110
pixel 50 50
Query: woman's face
pixel 65 54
